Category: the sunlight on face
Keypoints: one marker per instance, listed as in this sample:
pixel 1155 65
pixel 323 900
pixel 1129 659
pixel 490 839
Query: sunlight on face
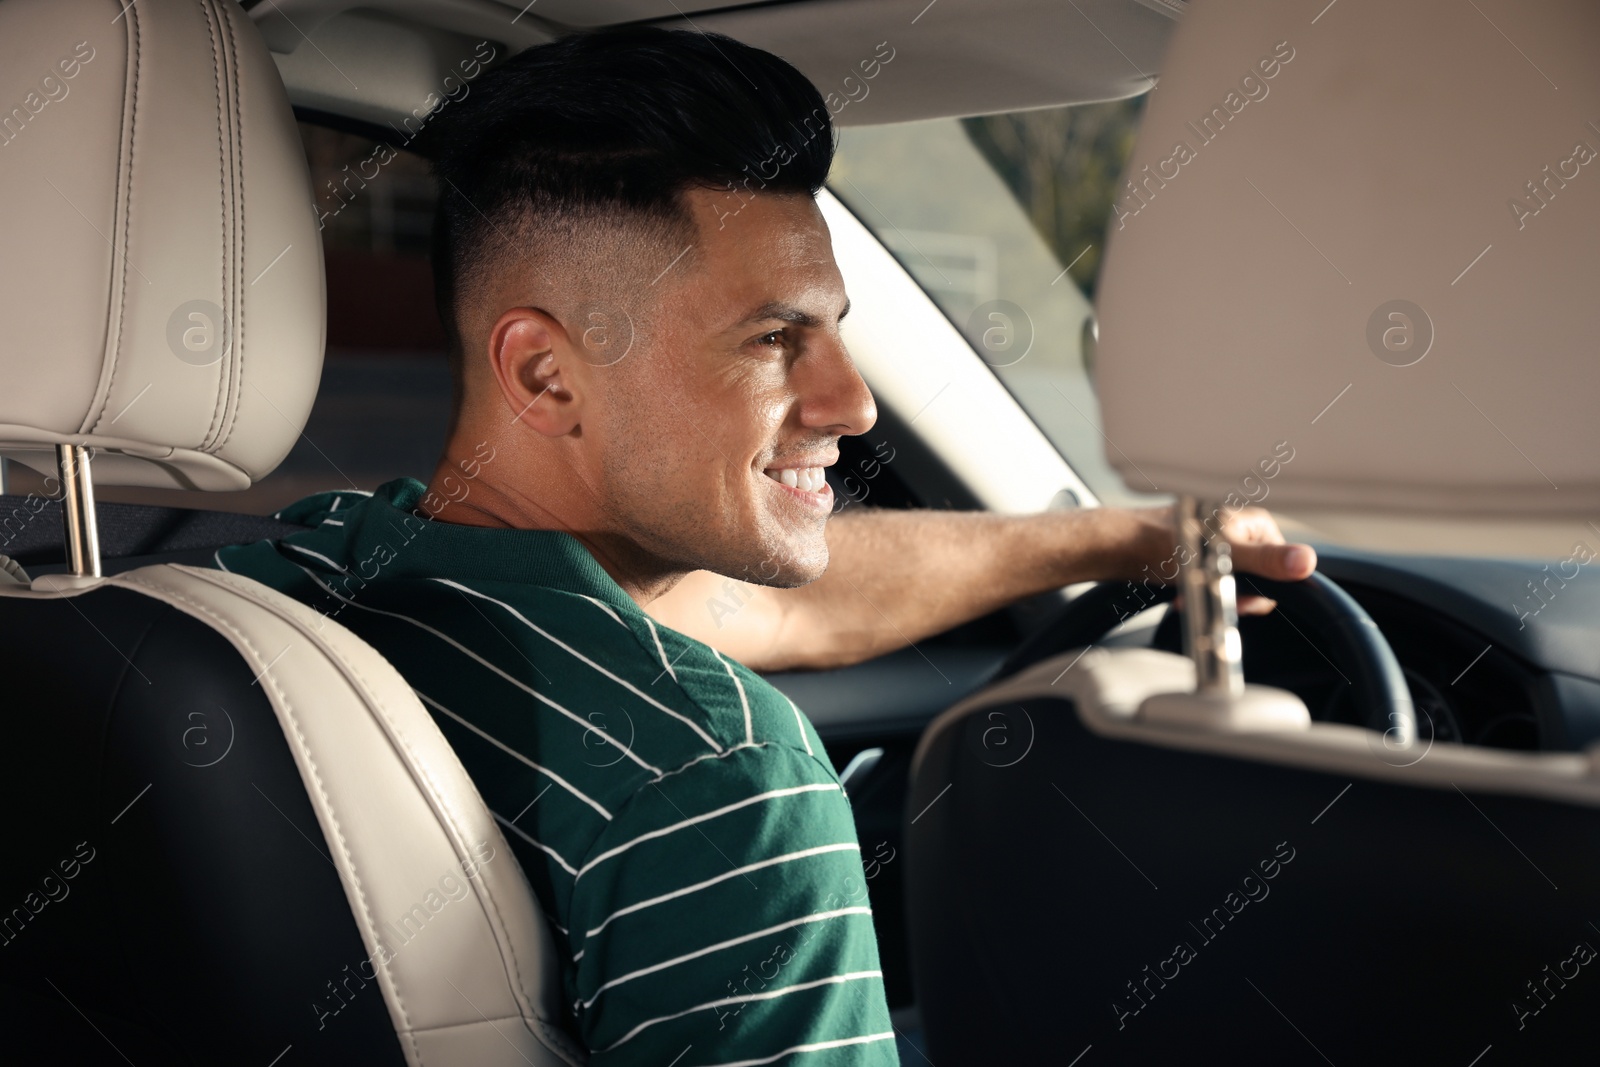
pixel 716 431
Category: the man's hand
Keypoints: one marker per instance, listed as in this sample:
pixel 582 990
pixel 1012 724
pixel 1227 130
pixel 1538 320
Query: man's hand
pixel 1252 533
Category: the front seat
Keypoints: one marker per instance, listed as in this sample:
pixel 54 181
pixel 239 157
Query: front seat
pixel 234 835
pixel 1364 234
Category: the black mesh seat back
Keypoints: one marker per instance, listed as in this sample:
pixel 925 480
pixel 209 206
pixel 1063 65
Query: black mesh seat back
pixel 1166 906
pixel 168 893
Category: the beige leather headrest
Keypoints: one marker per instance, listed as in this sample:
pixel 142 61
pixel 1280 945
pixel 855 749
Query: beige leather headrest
pixel 160 267
pixel 1358 262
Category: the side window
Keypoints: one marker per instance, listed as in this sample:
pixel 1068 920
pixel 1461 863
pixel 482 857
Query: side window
pixel 1002 220
pixel 383 406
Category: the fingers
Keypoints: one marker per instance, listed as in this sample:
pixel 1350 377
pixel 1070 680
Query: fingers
pixel 1254 525
pixel 1248 604
pixel 1285 563
pixel 1251 604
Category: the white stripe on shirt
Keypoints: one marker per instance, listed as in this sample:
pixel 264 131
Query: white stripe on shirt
pixel 502 746
pixel 749 733
pixel 709 755
pixel 603 606
pixel 659 648
pixel 816 1046
pixel 815 917
pixel 540 845
pixel 315 555
pixel 837 979
pixel 787 858
pixel 801 724
pixel 624 749
pixel 635 690
pixel 693 820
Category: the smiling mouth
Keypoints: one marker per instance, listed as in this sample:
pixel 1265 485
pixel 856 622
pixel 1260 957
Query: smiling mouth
pixel 805 479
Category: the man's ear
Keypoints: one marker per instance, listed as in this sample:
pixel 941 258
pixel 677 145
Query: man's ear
pixel 537 371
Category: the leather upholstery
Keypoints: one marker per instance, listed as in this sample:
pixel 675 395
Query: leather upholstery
pixel 1058 850
pixel 448 931
pixel 161 257
pixel 1397 152
pixel 182 898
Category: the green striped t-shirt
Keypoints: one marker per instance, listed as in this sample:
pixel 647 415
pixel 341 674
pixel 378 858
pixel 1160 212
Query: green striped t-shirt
pixel 676 816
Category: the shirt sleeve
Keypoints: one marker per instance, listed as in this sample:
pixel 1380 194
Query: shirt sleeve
pixel 721 919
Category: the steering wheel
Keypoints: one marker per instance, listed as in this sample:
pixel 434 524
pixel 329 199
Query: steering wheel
pixel 1325 614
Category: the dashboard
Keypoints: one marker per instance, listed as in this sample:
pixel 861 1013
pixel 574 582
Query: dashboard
pixel 1504 653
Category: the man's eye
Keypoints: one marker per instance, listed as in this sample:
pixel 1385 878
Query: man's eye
pixel 775 337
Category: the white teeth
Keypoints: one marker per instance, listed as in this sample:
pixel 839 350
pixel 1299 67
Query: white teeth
pixel 806 479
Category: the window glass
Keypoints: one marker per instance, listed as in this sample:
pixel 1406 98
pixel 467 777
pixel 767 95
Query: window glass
pixel 1002 221
pixel 384 404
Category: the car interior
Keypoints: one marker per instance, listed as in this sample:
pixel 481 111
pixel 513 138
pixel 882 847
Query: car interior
pixel 1333 259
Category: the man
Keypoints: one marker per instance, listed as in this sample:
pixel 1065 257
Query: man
pixel 650 382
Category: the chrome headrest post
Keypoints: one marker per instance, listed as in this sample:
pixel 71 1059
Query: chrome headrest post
pixel 77 510
pixel 1210 606
pixel 1220 699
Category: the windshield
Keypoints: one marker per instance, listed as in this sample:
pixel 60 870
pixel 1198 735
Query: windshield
pixel 1002 221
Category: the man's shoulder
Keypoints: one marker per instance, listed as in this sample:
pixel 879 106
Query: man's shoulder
pixel 750 708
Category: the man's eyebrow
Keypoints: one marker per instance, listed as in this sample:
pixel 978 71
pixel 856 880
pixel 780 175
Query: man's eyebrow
pixel 788 313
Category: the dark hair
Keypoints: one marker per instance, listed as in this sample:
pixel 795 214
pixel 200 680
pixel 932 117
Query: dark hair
pixel 615 124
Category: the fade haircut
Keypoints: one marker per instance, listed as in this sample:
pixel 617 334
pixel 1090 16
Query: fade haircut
pixel 571 144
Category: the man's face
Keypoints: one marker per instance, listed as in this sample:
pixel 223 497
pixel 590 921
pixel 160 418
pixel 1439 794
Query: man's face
pixel 741 386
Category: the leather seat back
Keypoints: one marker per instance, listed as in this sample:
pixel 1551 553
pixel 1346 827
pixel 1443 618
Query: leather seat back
pixel 168 879
pixel 1172 896
pixel 243 838
pixel 244 833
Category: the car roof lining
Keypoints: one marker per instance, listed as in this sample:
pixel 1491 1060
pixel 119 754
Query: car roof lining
pixel 379 60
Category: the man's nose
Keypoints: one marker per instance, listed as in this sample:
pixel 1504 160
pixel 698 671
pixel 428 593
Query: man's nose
pixel 833 395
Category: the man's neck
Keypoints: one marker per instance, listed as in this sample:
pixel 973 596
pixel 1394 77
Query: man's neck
pixel 485 501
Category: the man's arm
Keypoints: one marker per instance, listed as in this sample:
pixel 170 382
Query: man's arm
pixel 896 577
